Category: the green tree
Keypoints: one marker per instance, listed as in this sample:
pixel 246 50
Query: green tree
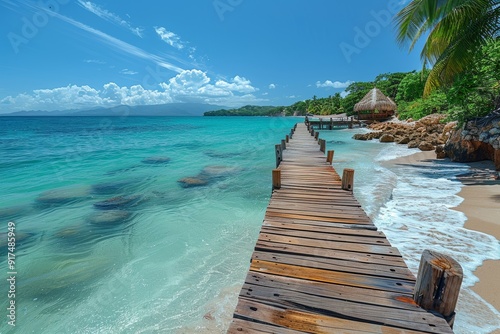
pixel 388 83
pixel 455 28
pixel 412 86
pixel 476 91
pixel 355 92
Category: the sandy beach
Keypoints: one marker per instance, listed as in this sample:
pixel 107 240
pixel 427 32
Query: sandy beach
pixel 481 205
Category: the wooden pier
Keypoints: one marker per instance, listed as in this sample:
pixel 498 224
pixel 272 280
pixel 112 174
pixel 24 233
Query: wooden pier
pixel 334 123
pixel 319 264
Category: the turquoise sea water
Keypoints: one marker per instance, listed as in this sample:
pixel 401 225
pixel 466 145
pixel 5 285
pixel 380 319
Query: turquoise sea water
pixel 109 240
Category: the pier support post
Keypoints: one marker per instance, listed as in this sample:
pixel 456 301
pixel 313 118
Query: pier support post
pixel 331 123
pixel 283 145
pixel 276 179
pixel 287 138
pixel 312 131
pixel 279 154
pixel 438 284
pixel 348 179
pixel 322 145
pixel 316 135
pixel 329 156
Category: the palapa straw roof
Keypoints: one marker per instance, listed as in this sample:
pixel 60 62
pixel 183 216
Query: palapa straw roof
pixel 375 100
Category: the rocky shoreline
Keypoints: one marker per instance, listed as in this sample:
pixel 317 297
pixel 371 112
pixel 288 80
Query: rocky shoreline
pixel 474 141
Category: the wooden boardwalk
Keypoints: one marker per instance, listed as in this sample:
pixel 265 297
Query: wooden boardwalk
pixel 320 265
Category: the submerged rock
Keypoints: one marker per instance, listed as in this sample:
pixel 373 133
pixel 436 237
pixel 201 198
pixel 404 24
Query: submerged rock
pixel 107 188
pixel 156 160
pixel 62 196
pixel 208 175
pixel 118 202
pixel 189 182
pixel 109 218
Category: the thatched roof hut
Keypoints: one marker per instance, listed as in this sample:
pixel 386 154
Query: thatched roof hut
pixel 375 100
pixel 375 105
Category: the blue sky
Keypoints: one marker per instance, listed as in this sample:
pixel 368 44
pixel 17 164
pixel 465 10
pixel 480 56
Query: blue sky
pixel 62 54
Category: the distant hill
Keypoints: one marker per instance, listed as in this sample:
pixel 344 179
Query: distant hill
pixel 170 109
pixel 248 111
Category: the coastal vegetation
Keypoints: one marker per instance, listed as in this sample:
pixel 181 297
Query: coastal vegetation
pixel 474 93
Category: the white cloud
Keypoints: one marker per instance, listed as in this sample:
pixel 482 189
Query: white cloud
pixel 187 86
pixel 171 38
pixel 292 96
pixel 272 86
pixel 128 72
pixel 120 45
pixel 94 61
pixel 109 16
pixel 336 84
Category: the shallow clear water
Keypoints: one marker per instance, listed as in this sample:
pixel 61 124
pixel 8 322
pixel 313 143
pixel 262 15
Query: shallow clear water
pixel 160 257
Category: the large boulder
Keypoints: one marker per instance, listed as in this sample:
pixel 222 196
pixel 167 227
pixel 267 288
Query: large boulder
pixel 387 138
pixel 460 149
pixel 425 146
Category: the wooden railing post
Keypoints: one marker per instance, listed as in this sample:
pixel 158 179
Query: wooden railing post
pixel 312 131
pixel 438 284
pixel 287 138
pixel 316 135
pixel 348 179
pixel 279 154
pixel 329 157
pixel 276 179
pixel 322 145
pixel 283 145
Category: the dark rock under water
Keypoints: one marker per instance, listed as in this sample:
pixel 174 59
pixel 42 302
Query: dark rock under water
pixel 62 196
pixel 208 175
pixel 107 188
pixel 110 218
pixel 118 202
pixel 156 160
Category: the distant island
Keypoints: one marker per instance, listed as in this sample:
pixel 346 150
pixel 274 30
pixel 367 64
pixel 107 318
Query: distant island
pixel 169 109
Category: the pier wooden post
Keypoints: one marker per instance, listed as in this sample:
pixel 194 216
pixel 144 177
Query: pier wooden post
pixel 348 179
pixel 321 123
pixel 276 179
pixel 438 284
pixel 316 135
pixel 279 154
pixel 331 123
pixel 283 145
pixel 329 157
pixel 312 131
pixel 322 145
pixel 287 138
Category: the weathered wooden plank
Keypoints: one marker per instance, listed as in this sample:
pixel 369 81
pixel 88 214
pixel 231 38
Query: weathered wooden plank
pixel 344 309
pixel 327 244
pixel 336 265
pixel 329 276
pixel 329 290
pixel 334 228
pixel 321 235
pixel 240 326
pixel 329 253
pixel 309 322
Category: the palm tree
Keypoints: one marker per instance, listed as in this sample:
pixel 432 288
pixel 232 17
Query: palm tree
pixel 456 29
